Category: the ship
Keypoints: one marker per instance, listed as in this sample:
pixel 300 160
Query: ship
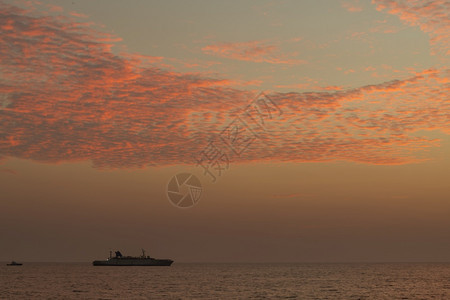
pixel 13 263
pixel 143 260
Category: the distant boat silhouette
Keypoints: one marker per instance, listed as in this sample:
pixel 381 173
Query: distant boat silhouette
pixel 13 263
pixel 120 260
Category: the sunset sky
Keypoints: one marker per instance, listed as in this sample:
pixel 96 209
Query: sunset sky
pixel 103 102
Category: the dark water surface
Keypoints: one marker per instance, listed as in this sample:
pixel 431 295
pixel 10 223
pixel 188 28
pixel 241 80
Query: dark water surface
pixel 226 281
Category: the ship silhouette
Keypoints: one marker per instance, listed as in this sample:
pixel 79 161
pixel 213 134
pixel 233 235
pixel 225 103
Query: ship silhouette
pixel 143 260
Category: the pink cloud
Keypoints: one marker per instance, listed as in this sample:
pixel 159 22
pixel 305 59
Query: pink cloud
pixel 55 8
pixel 65 96
pixel 300 86
pixel 78 15
pixel 352 6
pixel 432 17
pixel 254 51
pixel 310 86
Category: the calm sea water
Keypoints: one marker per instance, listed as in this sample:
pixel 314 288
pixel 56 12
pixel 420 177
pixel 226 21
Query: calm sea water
pixel 226 281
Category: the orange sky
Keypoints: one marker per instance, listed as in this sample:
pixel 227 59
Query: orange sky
pixel 100 105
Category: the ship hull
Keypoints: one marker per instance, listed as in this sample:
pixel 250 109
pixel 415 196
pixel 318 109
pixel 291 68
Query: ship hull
pixel 133 262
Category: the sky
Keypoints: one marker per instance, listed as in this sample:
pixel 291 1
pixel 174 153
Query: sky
pixel 310 131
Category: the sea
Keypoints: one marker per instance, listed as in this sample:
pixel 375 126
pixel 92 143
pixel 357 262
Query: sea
pixel 227 281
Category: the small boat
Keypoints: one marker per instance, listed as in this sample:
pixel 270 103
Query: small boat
pixel 13 263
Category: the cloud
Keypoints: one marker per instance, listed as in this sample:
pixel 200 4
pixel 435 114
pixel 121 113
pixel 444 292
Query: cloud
pixel 310 86
pixel 78 15
pixel 65 96
pixel 352 6
pixel 432 17
pixel 254 51
pixel 376 124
